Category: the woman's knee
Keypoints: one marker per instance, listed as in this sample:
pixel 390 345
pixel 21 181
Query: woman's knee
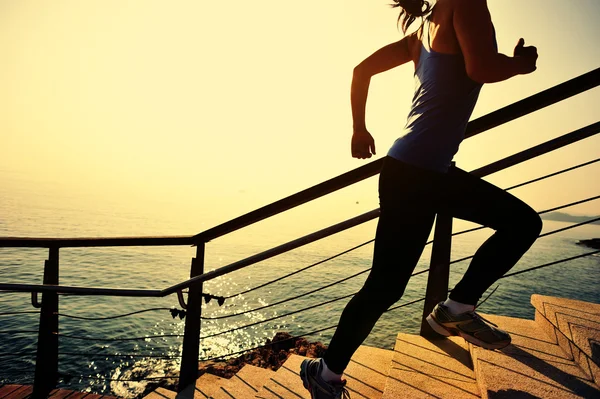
pixel 537 225
pixel 528 225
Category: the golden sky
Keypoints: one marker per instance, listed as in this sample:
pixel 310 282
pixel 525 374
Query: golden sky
pixel 207 110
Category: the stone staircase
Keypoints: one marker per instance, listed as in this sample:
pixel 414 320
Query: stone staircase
pixel 557 355
pixel 13 391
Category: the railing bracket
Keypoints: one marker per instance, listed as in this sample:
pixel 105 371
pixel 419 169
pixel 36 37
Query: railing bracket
pixel 181 299
pixel 208 297
pixel 176 312
pixel 34 300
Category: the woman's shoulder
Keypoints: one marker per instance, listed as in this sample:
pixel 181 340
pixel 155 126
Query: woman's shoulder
pixel 442 36
pixel 415 44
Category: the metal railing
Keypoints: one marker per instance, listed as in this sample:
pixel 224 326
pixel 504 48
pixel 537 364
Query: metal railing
pixel 46 374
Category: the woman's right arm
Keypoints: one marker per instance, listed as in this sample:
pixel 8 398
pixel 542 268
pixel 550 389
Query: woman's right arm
pixel 386 58
pixel 475 34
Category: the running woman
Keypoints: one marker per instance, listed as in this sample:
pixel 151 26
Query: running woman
pixel 454 53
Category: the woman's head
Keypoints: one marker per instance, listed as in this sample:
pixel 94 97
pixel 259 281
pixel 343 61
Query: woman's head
pixel 411 10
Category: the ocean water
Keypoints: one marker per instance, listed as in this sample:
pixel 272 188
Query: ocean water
pixel 97 350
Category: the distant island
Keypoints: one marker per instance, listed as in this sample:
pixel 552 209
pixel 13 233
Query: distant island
pixel 565 217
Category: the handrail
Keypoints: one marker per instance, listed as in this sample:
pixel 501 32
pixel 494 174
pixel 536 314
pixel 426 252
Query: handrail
pixel 46 371
pixel 89 242
pixel 306 334
pixel 503 115
pixel 496 118
pixel 328 231
pixel 538 150
pixel 534 103
pixel 66 289
pixel 493 167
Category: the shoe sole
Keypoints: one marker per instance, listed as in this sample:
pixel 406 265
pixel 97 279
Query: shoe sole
pixel 446 332
pixel 304 376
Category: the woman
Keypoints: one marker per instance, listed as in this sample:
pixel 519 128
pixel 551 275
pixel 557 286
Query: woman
pixel 454 53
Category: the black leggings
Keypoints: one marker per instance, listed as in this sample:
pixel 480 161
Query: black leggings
pixel 409 198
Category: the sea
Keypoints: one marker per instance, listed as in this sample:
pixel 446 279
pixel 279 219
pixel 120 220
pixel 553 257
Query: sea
pixel 107 344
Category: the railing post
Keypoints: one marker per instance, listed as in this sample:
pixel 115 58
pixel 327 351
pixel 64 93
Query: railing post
pixel 439 270
pixel 46 364
pixel 191 338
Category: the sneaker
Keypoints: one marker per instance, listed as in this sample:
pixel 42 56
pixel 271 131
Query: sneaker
pixel 469 325
pixel 310 372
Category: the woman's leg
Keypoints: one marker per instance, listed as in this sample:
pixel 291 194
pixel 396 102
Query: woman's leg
pixel 402 231
pixel 517 227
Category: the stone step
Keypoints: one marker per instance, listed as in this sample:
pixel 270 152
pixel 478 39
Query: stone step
pixel 12 391
pixel 366 375
pixel 423 368
pixel 162 393
pixel 533 366
pixel 208 385
pixel 245 384
pixel 576 327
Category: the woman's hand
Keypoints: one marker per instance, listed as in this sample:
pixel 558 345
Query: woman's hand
pixel 363 144
pixel 527 55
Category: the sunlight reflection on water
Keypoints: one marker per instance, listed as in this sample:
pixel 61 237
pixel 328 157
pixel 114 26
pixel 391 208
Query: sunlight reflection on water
pixel 160 267
pixel 216 345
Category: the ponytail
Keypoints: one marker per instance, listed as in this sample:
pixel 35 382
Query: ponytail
pixel 411 10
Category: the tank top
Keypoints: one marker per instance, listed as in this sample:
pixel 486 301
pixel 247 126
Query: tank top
pixel 442 104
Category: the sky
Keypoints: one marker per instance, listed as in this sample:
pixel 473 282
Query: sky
pixel 200 111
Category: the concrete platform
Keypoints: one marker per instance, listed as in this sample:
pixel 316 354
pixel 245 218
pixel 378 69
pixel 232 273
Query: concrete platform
pixel 533 366
pixel 424 368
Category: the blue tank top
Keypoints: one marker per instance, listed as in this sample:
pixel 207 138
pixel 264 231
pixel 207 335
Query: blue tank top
pixel 441 107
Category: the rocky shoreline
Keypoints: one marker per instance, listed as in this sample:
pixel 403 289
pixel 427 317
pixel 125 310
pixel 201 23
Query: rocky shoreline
pixel 274 353
pixel 272 356
pixel 591 243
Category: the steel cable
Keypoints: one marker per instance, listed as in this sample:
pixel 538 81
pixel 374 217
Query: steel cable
pixel 141 355
pixel 288 299
pixel 118 339
pixel 279 317
pixel 300 270
pixel 429 242
pixel 541 236
pixel 111 317
pixel 553 174
pixel 14 313
pixel 18 354
pixel 551 264
pixel 364 271
pixel 313 306
pixel 310 307
pixel 334 326
pixel 347 296
pixel 302 335
pixel 93 377
pixel 393 308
